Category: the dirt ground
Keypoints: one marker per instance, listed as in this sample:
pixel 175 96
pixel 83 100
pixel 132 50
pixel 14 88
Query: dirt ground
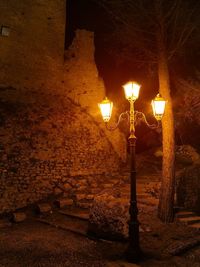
pixel 34 244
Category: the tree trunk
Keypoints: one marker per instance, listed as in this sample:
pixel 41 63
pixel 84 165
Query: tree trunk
pixel 166 201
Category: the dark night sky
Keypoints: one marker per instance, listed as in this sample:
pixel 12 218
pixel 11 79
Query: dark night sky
pixel 84 14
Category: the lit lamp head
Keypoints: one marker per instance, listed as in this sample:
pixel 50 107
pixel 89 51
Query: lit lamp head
pixel 158 106
pixel 106 109
pixel 131 90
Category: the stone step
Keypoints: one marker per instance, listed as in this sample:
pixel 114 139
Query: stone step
pixel 139 189
pixel 184 214
pixel 43 208
pixel 80 197
pixel 89 197
pixel 180 246
pixel 190 220
pixel 64 202
pixel 63 222
pixel 195 225
pixel 127 193
pixel 143 199
pixel 148 201
pixel 18 217
pixel 144 183
pixel 127 196
pixel 107 185
pixel 115 181
pixel 84 204
pixel 142 186
pixel 143 196
pixel 75 212
pixel 4 223
pixel 95 191
pixel 140 196
pixel 120 200
pixel 142 207
pixel 178 209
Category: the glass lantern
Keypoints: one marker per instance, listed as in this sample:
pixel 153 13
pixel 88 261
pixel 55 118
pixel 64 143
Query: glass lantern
pixel 158 106
pixel 106 109
pixel 131 90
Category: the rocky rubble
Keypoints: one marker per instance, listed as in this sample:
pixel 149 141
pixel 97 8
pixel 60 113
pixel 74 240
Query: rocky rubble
pixel 109 216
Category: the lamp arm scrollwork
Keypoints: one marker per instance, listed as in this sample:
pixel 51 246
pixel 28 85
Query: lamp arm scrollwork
pixel 140 117
pixel 123 116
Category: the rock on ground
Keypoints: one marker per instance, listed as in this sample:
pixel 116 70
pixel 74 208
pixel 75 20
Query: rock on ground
pixel 109 216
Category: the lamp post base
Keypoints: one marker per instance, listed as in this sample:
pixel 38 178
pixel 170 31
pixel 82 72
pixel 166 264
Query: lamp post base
pixel 133 254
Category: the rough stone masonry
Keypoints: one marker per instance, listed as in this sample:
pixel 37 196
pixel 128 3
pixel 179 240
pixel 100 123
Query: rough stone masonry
pixel 51 135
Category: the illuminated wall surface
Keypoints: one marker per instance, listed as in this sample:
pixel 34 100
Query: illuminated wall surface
pixel 34 48
pixel 50 128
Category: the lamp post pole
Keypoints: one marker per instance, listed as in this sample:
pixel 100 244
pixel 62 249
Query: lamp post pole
pixel 133 252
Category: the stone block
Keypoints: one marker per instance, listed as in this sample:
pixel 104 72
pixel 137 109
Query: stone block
pixel 4 223
pixel 80 197
pixel 43 208
pixel 67 186
pixel 95 190
pixel 82 189
pixel 89 197
pixel 108 185
pixel 64 202
pixel 83 182
pixel 84 205
pixel 18 217
pixel 57 191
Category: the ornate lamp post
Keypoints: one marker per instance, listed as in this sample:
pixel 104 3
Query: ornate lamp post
pixel 132 90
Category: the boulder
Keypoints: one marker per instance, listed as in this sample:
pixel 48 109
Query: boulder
pixel 188 187
pixel 187 107
pixel 109 216
pixel 186 155
pixel 158 152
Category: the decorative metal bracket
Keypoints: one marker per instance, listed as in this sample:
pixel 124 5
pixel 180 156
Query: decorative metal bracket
pixel 123 116
pixel 139 117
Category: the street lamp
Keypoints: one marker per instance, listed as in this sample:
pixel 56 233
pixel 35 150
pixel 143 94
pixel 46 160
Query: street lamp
pixel 132 90
pixel 158 105
pixel 106 109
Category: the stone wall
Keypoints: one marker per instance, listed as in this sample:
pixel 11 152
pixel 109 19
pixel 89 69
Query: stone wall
pixel 51 131
pixel 84 87
pixel 32 55
pixel 45 142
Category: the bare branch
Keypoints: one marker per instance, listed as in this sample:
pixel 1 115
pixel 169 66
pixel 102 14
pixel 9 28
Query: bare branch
pixel 171 11
pixel 186 33
pixel 137 22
